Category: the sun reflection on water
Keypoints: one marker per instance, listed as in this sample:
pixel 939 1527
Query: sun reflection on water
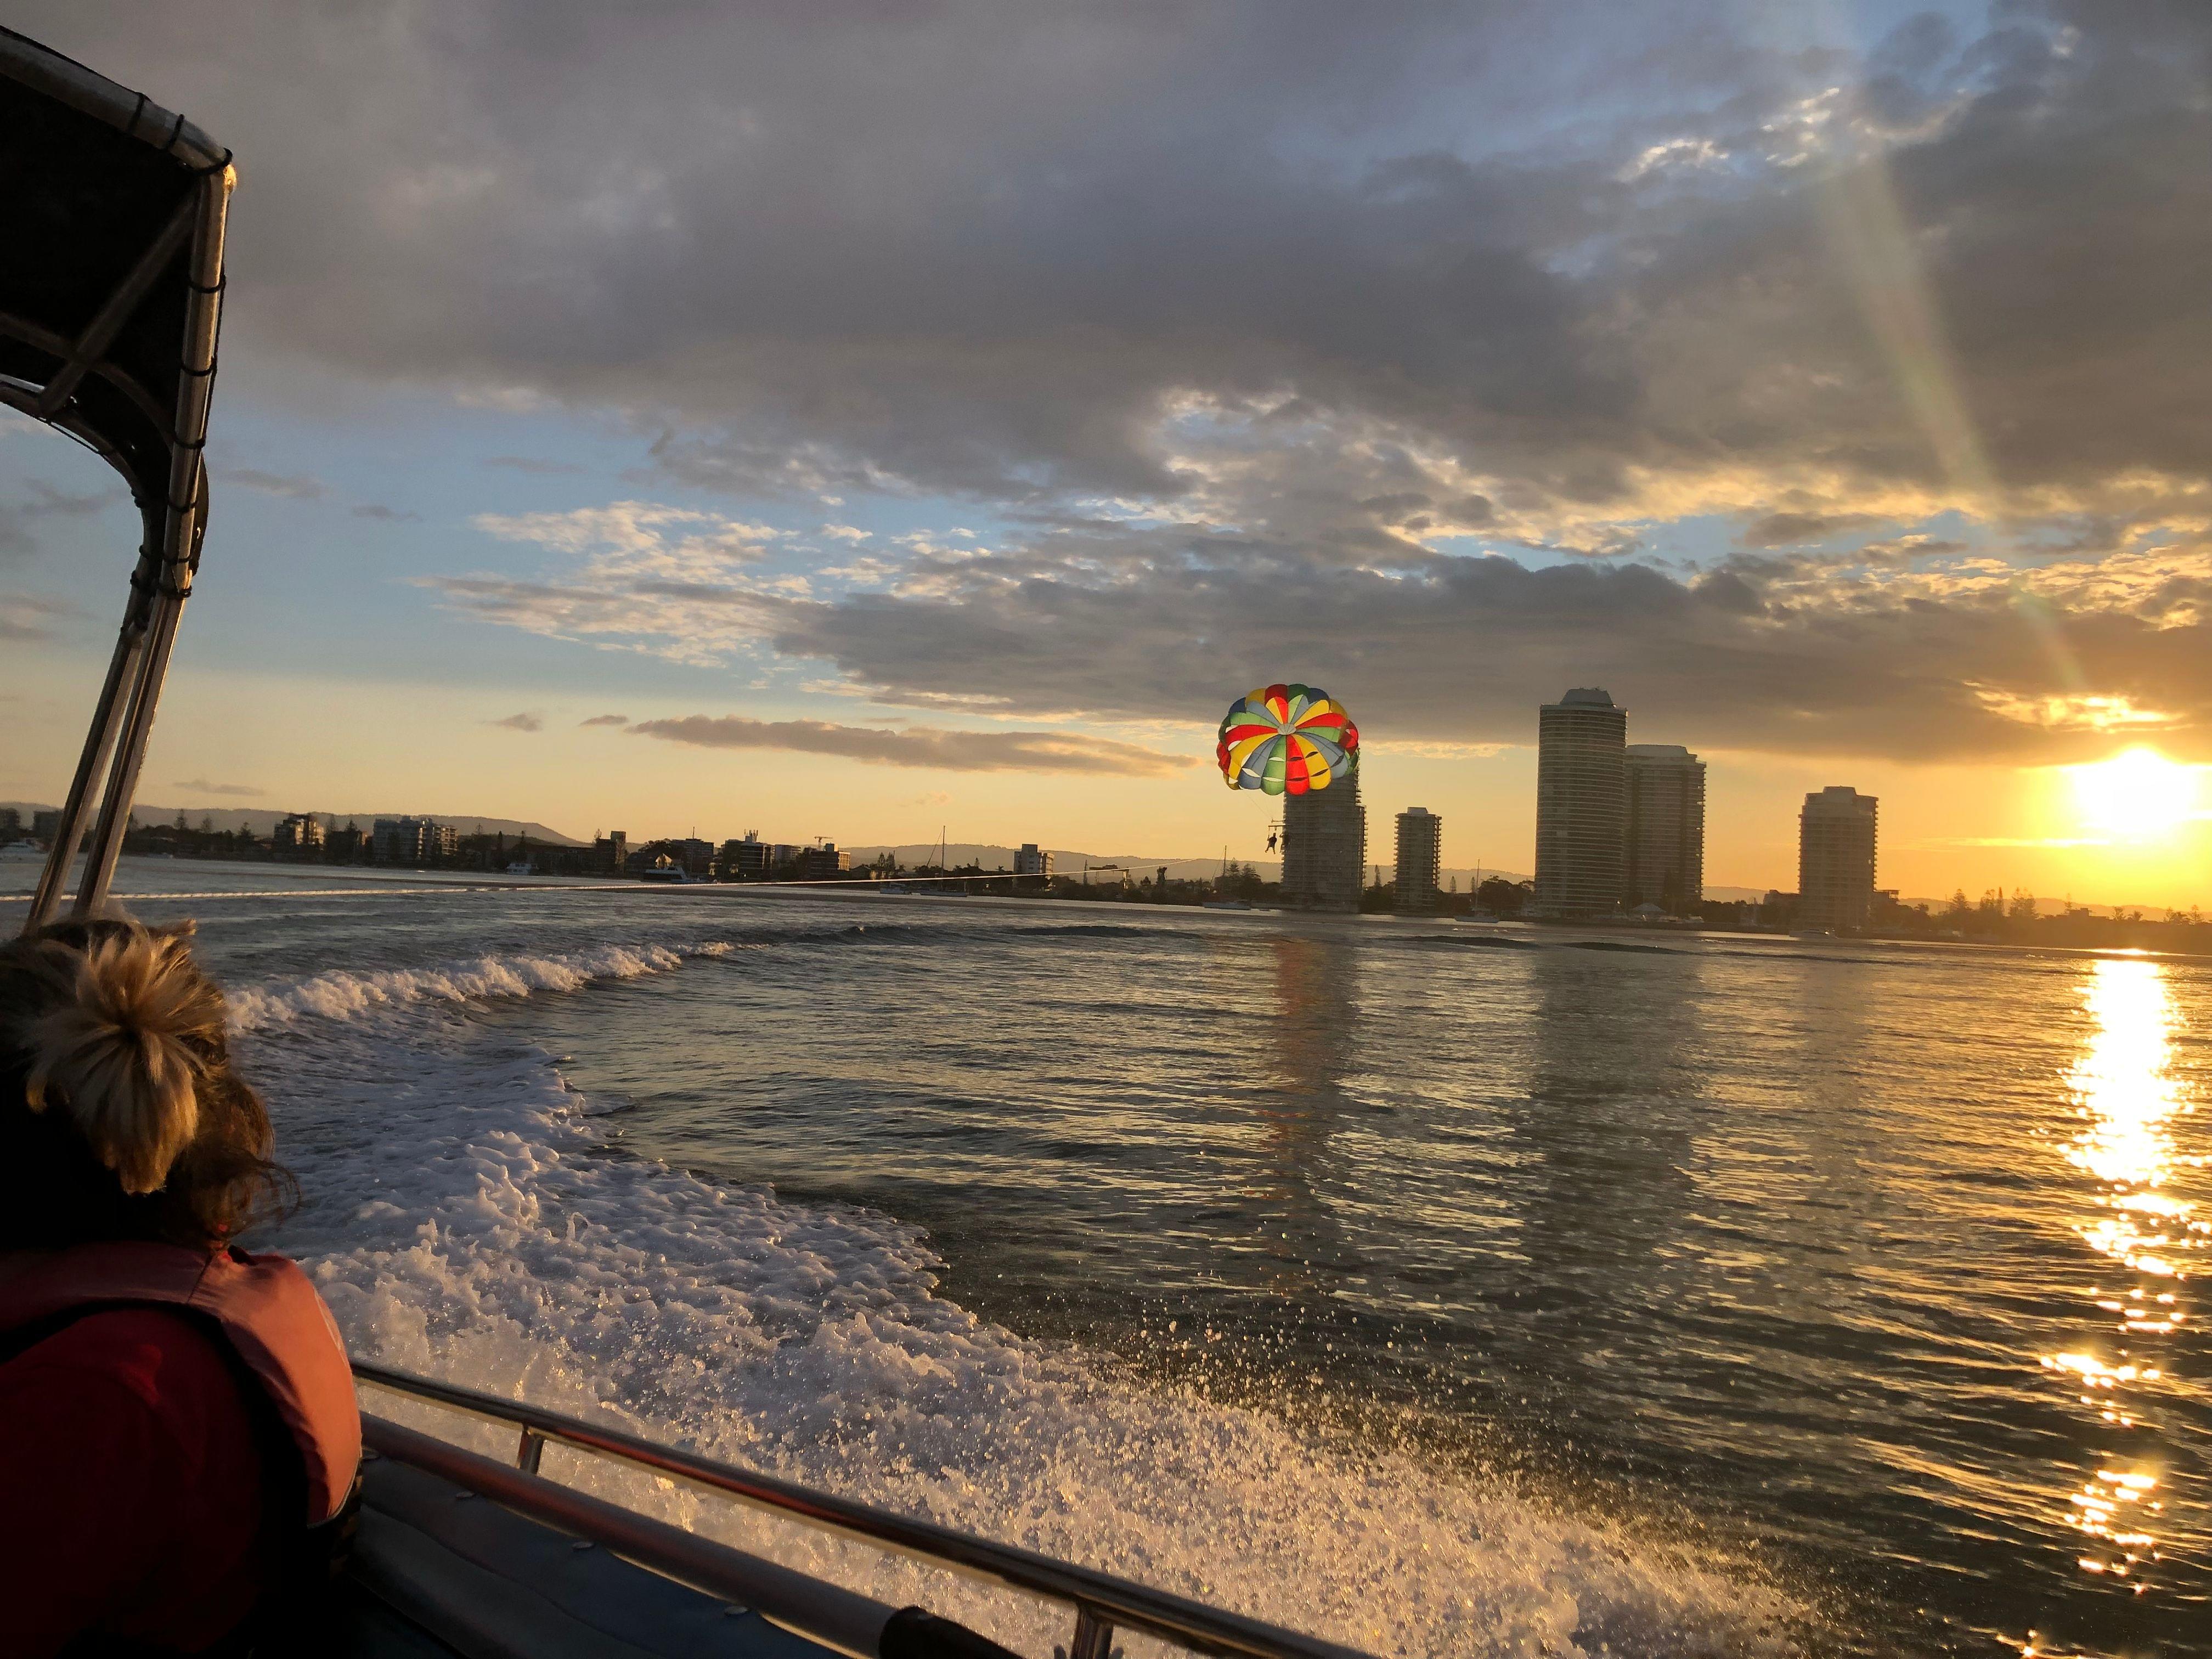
pixel 2128 1097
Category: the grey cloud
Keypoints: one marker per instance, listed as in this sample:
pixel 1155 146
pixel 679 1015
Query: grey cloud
pixel 521 723
pixel 47 501
pixel 1242 265
pixel 44 502
pixel 1772 654
pixel 528 464
pixel 606 719
pixel 202 786
pixel 1794 529
pixel 922 746
pixel 993 248
pixel 25 617
pixel 289 486
pixel 388 514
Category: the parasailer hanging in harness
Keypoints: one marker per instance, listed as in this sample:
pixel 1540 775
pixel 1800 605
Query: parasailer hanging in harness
pixel 179 1440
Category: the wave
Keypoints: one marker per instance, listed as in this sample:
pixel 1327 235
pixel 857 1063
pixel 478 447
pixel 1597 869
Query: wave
pixel 471 1216
pixel 339 994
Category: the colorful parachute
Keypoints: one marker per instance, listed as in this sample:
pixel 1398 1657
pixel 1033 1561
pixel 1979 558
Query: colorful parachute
pixel 1287 739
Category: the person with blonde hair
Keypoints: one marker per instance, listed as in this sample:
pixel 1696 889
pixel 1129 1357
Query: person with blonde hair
pixel 180 1444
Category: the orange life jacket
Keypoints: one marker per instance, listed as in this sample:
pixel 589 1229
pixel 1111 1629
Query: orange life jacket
pixel 264 1306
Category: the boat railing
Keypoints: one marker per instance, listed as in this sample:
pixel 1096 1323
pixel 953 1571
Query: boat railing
pixel 1101 1604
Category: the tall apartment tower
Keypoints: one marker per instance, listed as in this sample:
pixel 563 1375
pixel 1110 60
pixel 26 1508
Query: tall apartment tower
pixel 1324 847
pixel 1421 856
pixel 1666 826
pixel 1582 805
pixel 1835 859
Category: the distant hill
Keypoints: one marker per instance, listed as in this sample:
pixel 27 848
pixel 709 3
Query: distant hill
pixel 262 820
pixel 1068 861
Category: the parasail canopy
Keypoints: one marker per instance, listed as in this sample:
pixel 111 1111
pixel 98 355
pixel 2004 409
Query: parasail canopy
pixel 1286 740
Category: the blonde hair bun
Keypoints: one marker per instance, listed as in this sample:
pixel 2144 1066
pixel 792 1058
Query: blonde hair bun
pixel 123 1049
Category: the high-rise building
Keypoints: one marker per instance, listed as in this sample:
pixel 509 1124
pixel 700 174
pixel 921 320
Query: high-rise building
pixel 1420 855
pixel 1666 864
pixel 1324 847
pixel 1582 805
pixel 1835 859
pixel 1032 860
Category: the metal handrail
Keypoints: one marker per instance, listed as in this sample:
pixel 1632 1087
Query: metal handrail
pixel 1102 1602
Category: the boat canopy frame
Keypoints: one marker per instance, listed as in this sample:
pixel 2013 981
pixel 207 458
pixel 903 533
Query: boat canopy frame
pixel 113 213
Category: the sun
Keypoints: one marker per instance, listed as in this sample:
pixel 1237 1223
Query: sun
pixel 2140 794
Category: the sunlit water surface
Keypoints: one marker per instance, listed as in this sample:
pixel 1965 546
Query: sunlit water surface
pixel 1444 1292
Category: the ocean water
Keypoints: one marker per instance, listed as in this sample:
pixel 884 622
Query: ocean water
pixel 1442 1290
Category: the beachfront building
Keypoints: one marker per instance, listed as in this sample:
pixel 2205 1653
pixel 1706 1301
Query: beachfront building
pixel 1835 859
pixel 824 863
pixel 1421 856
pixel 416 842
pixel 1324 847
pixel 1582 805
pixel 1032 860
pixel 747 859
pixel 299 835
pixel 1666 848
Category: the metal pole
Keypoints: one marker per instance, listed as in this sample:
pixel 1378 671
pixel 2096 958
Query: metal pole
pixel 182 529
pixel 99 741
pixel 108 830
pixel 1093 1638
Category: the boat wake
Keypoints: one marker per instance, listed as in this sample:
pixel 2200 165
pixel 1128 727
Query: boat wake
pixel 469 1217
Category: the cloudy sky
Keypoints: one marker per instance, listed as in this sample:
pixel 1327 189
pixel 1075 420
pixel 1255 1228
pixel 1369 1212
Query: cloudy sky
pixel 846 419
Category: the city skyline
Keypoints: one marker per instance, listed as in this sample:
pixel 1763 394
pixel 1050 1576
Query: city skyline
pixel 939 515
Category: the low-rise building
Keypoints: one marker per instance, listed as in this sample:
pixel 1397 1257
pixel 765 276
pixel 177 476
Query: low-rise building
pixel 299 835
pixel 1032 860
pixel 414 842
pixel 824 863
pixel 747 859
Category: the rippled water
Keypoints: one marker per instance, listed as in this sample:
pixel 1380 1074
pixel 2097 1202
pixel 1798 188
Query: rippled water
pixel 1444 1292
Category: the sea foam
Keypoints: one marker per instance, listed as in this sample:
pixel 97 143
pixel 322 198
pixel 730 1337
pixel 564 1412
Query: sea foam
pixel 468 1217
